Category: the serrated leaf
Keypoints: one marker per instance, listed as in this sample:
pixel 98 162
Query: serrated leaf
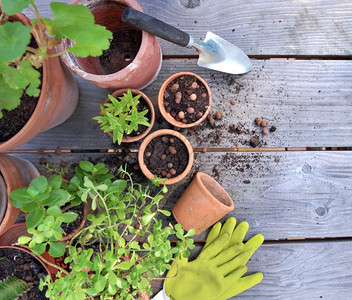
pixel 40 183
pixel 57 249
pixel 12 7
pixel 55 181
pixel 20 195
pixel 34 217
pixel 76 22
pixel 9 97
pixel 14 37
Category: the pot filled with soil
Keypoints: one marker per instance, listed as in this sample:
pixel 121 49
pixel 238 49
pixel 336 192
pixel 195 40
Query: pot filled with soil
pixel 184 99
pixel 15 173
pixel 18 267
pixel 203 203
pixel 133 115
pixel 133 59
pixel 57 101
pixel 167 154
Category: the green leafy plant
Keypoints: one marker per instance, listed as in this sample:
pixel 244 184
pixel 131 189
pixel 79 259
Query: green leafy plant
pixel 45 201
pixel 19 61
pixel 121 117
pixel 12 287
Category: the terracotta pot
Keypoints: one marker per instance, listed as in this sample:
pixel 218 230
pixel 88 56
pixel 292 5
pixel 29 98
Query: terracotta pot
pixel 167 115
pixel 162 132
pixel 203 203
pixel 16 173
pixel 139 73
pixel 131 139
pixel 57 102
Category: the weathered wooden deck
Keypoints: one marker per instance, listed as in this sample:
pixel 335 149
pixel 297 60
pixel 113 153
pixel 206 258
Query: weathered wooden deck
pixel 296 187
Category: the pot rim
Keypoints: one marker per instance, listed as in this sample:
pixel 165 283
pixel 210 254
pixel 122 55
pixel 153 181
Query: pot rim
pixel 3 198
pixel 161 132
pixel 167 115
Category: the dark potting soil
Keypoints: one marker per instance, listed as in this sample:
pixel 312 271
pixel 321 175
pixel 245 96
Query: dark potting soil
pixel 190 88
pixel 122 51
pixel 162 160
pixel 142 105
pixel 20 264
pixel 68 228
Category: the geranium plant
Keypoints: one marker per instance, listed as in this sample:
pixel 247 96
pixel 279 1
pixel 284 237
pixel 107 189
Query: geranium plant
pixel 124 247
pixel 19 62
pixel 122 117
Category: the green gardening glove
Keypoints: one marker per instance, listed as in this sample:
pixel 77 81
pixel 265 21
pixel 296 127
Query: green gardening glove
pixel 217 272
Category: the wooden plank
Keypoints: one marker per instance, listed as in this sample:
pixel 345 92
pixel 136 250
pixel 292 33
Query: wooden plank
pixel 271 28
pixel 304 271
pixel 283 195
pixel 307 101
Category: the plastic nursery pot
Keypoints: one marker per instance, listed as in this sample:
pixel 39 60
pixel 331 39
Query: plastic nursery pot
pixel 185 97
pixel 134 66
pixel 57 102
pixel 203 203
pixel 131 139
pixel 162 132
pixel 16 173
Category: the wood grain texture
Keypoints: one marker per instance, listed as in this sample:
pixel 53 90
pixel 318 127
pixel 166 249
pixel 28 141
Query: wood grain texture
pixel 308 101
pixel 303 195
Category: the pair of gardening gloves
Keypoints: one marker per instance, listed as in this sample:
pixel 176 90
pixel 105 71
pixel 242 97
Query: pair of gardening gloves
pixel 217 272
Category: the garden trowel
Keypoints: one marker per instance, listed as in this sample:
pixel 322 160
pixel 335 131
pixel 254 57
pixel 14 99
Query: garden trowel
pixel 214 52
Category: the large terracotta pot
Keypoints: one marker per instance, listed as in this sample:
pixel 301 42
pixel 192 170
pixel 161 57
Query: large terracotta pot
pixel 139 73
pixel 16 173
pixel 162 132
pixel 57 102
pixel 167 116
pixel 203 203
pixel 131 139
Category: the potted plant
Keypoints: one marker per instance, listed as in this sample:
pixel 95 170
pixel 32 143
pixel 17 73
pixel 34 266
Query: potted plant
pixel 202 204
pixel 133 59
pixel 128 119
pixel 125 246
pixel 31 75
pixel 184 99
pixel 167 154
pixel 15 172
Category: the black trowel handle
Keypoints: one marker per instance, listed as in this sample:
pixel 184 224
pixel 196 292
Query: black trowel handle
pixel 155 27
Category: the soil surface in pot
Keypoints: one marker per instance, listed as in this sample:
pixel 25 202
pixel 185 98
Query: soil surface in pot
pixel 13 121
pixel 122 51
pixel 186 99
pixel 22 265
pixel 166 156
pixel 68 228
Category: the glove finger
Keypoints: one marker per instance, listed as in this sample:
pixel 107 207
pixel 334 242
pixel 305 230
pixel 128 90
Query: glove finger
pixel 176 265
pixel 228 254
pixel 239 233
pixel 229 226
pixel 241 285
pixel 215 247
pixel 234 263
pixel 213 234
pixel 254 243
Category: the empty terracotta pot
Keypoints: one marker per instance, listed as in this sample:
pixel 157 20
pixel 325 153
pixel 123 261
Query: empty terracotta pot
pixel 167 116
pixel 126 68
pixel 16 173
pixel 162 132
pixel 203 203
pixel 57 102
pixel 131 139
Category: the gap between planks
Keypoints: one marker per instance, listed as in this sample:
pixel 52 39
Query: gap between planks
pixel 270 57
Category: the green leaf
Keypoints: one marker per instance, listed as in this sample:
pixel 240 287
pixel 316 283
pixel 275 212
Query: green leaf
pixel 76 22
pixel 125 265
pixel 40 248
pixel 62 197
pixel 100 284
pixel 22 240
pixel 57 249
pixel 40 183
pixel 86 166
pixel 147 218
pixel 34 217
pixel 69 217
pixel 55 181
pixel 12 7
pixel 14 37
pixel 165 212
pixel 191 232
pixel 9 97
pixel 54 211
pixel 20 195
pixel 27 207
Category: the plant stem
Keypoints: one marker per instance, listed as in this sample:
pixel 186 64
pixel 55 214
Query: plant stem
pixel 58 54
pixel 40 30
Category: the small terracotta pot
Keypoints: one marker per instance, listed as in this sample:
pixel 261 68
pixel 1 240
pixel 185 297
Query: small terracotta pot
pixel 16 173
pixel 139 73
pixel 203 203
pixel 162 132
pixel 131 139
pixel 57 102
pixel 167 115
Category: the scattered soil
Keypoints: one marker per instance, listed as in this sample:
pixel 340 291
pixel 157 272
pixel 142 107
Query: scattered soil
pixel 186 99
pixel 22 265
pixel 68 228
pixel 166 156
pixel 123 50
